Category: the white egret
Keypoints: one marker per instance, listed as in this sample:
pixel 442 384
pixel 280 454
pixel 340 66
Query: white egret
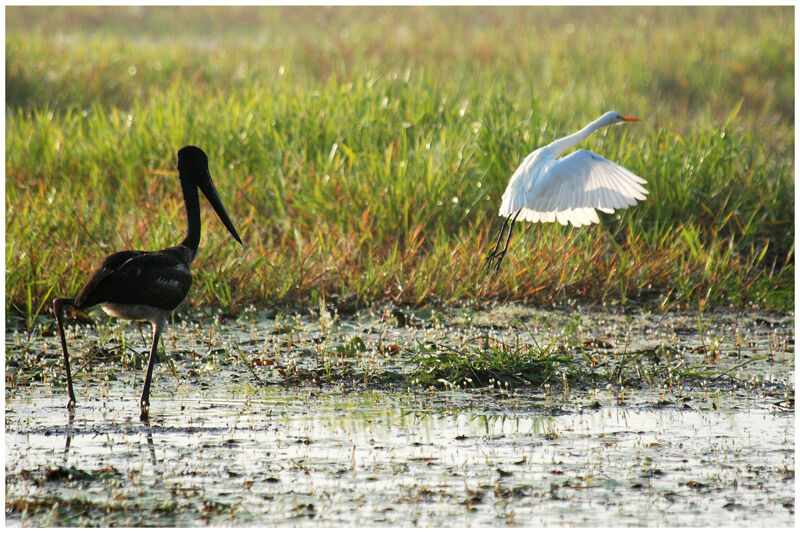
pixel 568 190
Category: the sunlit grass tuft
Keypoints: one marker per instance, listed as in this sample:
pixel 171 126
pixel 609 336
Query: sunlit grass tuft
pixel 485 362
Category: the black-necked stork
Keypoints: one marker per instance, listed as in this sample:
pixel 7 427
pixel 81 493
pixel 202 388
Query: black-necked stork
pixel 148 286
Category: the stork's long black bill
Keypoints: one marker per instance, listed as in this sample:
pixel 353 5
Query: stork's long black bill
pixel 210 192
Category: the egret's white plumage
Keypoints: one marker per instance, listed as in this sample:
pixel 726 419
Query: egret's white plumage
pixel 568 190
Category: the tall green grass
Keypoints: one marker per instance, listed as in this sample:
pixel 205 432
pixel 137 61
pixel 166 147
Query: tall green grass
pixel 362 152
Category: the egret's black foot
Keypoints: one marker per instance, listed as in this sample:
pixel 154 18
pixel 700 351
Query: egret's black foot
pixel 497 258
pixel 487 263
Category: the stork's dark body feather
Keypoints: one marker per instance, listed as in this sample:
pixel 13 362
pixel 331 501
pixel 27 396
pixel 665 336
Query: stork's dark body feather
pixel 158 279
pixel 150 285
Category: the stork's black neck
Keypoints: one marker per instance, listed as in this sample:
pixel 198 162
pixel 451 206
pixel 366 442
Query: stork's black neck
pixel 190 198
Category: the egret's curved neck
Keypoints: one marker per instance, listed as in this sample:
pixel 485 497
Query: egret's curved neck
pixel 559 145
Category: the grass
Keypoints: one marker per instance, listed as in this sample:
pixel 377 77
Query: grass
pixel 362 152
pixel 567 362
pixel 487 363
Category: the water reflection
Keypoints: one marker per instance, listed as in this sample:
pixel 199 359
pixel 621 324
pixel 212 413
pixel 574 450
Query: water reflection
pixel 69 430
pixel 150 444
pixel 315 457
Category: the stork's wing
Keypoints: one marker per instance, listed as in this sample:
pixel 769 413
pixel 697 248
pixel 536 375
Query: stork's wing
pixel 158 279
pixel 571 188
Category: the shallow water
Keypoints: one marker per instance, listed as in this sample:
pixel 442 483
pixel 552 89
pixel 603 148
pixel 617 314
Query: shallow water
pixel 221 449
pixel 304 457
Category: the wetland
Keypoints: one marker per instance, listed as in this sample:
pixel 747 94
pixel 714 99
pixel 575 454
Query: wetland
pixel 640 419
pixel 639 372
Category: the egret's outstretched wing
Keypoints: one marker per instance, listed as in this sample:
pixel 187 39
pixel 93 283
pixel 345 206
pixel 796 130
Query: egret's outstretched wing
pixel 569 189
pixel 527 173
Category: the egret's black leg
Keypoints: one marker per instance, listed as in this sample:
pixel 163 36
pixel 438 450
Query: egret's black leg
pixel 502 254
pixel 158 327
pixel 496 256
pixel 490 257
pixel 58 306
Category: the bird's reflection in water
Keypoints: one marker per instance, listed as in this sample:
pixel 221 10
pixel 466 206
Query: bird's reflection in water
pixel 69 431
pixel 150 444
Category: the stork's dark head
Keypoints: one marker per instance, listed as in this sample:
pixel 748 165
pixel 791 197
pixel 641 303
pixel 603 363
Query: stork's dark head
pixel 192 158
pixel 193 166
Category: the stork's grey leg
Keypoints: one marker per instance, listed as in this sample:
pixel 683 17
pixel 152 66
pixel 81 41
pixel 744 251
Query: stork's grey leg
pixel 58 306
pixel 158 327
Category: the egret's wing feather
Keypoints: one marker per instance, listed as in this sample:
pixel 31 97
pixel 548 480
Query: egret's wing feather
pixel 570 189
pixel 521 182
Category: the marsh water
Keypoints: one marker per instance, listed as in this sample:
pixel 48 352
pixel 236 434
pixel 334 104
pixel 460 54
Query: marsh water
pixel 267 421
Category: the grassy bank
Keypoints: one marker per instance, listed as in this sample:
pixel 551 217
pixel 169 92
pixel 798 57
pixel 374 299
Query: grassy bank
pixel 362 152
